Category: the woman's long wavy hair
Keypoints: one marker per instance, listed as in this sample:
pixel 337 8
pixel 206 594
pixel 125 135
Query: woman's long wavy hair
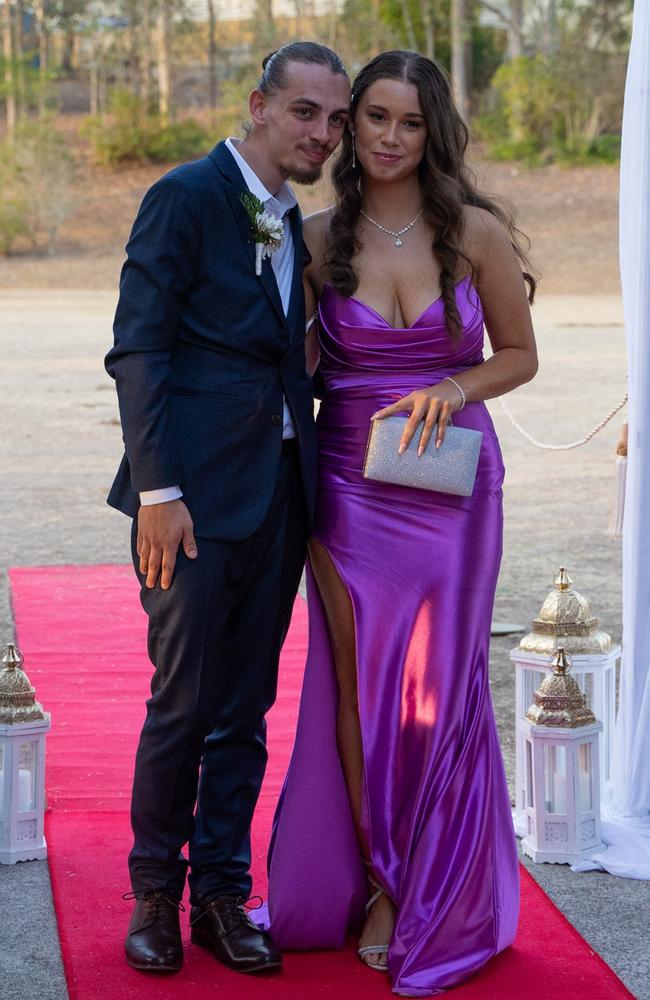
pixel 447 183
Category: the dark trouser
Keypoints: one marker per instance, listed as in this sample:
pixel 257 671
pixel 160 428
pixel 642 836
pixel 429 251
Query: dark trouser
pixel 214 638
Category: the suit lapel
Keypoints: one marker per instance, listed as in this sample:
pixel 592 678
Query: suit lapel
pixel 235 187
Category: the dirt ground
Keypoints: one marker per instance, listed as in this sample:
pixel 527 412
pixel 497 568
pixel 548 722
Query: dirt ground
pixel 570 216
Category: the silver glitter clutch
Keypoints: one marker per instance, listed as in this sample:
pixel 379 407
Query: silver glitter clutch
pixel 448 469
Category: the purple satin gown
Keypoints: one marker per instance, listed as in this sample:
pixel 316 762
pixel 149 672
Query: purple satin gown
pixel 421 571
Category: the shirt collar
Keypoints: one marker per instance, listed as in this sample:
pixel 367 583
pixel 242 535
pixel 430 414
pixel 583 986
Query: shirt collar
pixel 280 203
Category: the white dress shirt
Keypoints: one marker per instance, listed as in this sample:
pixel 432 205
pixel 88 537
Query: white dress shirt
pixel 282 264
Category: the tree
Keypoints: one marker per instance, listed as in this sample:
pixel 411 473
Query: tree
pixel 510 14
pixel 459 68
pixel 41 28
pixel 163 47
pixel 9 60
pixel 212 55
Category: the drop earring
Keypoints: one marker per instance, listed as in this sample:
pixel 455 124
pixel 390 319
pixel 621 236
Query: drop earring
pixel 354 150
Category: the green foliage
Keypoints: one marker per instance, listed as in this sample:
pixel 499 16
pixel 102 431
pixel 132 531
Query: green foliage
pixel 129 132
pixel 36 182
pixel 606 149
pixel 181 140
pixel 29 86
pixel 543 109
pixel 122 134
pixel 48 170
pixel 488 50
pixel 13 201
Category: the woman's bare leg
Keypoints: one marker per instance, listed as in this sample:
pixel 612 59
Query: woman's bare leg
pixel 340 619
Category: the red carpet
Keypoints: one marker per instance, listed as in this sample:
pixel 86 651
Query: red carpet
pixel 82 632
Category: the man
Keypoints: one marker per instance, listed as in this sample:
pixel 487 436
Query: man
pixel 219 476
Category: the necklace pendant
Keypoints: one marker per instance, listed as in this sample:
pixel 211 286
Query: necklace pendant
pixel 398 242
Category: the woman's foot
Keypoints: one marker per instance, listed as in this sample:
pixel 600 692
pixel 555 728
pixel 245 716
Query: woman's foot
pixel 377 931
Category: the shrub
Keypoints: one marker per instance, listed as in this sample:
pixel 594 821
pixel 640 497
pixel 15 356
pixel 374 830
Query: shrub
pixel 13 221
pixel 47 170
pixel 36 178
pixel 182 140
pixel 131 133
pixel 606 149
pixel 122 134
pixel 540 110
pixel 13 202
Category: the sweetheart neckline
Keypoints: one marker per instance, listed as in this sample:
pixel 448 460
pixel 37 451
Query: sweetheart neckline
pixel 398 329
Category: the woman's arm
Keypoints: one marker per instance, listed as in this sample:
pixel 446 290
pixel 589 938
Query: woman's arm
pixel 314 233
pixel 508 322
pixel 312 350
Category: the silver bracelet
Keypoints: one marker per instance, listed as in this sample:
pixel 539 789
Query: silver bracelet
pixel 460 389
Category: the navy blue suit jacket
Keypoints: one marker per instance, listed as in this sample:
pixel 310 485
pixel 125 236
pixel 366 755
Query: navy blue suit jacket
pixel 204 353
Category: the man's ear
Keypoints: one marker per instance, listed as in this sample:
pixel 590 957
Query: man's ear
pixel 257 107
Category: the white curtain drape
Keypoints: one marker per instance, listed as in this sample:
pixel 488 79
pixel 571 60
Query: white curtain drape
pixel 626 826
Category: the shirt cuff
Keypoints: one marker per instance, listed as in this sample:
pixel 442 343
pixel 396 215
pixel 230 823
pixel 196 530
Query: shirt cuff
pixel 149 497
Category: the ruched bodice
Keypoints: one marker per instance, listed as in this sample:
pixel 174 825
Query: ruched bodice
pixel 420 569
pixel 358 344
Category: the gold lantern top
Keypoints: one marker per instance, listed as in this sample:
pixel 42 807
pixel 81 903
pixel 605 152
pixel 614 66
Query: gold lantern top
pixel 565 620
pixel 17 696
pixel 558 700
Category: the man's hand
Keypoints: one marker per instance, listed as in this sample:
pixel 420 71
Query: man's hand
pixel 161 529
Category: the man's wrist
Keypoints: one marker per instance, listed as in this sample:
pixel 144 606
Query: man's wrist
pixel 150 497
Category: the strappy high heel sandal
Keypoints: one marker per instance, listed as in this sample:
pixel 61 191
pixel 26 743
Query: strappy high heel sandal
pixel 373 949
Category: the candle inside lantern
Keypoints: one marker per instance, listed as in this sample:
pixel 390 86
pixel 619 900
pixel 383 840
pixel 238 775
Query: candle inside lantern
pixel 584 777
pixel 25 797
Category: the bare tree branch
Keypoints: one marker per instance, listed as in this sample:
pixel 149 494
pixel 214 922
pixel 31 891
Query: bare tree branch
pixel 497 12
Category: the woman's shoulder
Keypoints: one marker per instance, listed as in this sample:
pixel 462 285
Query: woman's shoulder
pixel 315 228
pixel 483 233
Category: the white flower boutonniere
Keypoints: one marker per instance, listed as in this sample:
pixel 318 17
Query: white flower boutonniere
pixel 266 230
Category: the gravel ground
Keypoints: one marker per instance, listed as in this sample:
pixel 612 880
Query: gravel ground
pixel 61 443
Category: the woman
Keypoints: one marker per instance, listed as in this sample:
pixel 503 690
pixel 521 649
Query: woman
pixel 396 800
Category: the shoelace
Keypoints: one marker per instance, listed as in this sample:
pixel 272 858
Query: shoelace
pixel 233 909
pixel 154 900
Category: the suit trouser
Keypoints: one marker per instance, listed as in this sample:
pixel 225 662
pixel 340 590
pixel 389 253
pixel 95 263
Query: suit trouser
pixel 214 639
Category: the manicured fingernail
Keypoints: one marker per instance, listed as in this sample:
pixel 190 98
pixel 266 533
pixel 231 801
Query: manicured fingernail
pixel 401 449
pixel 438 443
pixel 420 451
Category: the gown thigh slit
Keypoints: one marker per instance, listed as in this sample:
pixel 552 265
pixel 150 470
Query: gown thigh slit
pixel 316 581
pixel 420 568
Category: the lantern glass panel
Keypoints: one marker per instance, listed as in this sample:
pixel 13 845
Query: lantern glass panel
pixel 555 768
pixel 586 682
pixel 27 776
pixel 532 680
pixel 585 787
pixel 529 775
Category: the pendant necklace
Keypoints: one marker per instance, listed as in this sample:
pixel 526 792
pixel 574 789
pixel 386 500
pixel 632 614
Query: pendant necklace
pixel 394 233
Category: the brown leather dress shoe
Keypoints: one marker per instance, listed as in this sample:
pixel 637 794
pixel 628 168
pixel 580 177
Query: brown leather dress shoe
pixel 153 940
pixel 223 926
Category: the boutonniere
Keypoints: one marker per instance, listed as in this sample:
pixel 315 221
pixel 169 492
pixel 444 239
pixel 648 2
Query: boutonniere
pixel 266 230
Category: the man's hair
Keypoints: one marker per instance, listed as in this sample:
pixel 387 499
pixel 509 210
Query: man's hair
pixel 274 66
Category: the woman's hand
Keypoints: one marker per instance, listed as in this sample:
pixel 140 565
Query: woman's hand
pixel 431 407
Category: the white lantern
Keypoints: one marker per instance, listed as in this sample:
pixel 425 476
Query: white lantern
pixel 565 621
pixel 561 783
pixel 23 725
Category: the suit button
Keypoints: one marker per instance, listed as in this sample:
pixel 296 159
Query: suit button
pixel 276 419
